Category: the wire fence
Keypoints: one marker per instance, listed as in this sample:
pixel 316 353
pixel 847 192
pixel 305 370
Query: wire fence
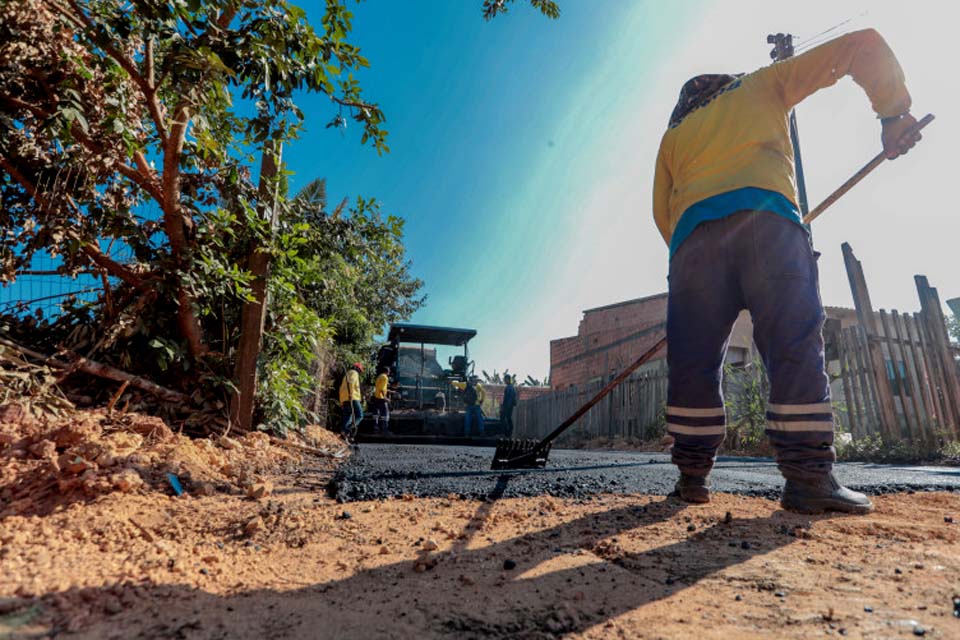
pixel 43 289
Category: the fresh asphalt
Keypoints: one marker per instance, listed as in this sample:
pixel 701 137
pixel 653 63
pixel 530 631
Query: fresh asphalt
pixel 390 470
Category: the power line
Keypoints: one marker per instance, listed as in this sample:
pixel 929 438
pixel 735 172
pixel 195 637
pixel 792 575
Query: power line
pixel 825 35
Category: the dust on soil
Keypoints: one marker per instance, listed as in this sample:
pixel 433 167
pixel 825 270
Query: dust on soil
pixel 106 561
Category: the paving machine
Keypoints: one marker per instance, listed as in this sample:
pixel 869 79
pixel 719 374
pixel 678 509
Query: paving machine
pixel 423 362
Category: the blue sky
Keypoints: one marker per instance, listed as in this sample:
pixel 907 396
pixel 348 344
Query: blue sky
pixel 523 151
pixel 496 128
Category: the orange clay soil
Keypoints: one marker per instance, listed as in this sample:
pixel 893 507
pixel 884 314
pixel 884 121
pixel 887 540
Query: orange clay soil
pixel 293 564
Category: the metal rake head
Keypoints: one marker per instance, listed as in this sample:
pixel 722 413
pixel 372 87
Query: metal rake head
pixel 513 453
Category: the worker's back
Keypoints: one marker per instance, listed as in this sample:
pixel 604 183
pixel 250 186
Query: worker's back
pixel 350 387
pixel 740 139
pixel 737 137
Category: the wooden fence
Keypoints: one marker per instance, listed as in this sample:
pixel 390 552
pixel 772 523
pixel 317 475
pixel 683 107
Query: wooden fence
pixel 898 372
pixel 632 410
pixel 899 378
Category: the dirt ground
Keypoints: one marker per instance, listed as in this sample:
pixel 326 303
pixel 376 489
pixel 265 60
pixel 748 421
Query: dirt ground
pixel 288 562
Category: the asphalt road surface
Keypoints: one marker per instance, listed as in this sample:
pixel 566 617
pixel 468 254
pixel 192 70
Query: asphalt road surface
pixel 382 470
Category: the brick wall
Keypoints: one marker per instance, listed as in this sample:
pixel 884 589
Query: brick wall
pixel 611 337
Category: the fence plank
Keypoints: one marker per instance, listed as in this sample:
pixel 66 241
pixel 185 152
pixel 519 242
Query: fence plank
pixel 846 376
pixel 924 376
pixel 896 357
pixel 858 338
pixel 940 341
pixel 933 367
pixel 867 321
pixel 909 365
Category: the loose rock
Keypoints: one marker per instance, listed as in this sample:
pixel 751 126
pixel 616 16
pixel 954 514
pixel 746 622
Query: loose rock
pixel 228 443
pixel 259 490
pixel 126 481
pixel 253 525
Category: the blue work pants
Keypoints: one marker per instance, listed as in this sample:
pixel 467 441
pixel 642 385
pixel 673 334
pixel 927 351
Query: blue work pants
pixel 762 262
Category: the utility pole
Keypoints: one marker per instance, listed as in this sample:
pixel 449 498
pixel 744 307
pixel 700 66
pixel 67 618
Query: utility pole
pixel 783 49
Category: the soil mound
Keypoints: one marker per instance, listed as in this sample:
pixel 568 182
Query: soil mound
pixel 47 461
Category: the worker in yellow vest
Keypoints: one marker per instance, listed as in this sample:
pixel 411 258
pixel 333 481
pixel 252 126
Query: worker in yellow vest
pixel 380 403
pixel 473 397
pixel 350 401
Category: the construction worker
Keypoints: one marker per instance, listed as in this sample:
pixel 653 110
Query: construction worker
pixel 725 202
pixel 473 397
pixel 380 403
pixel 508 404
pixel 350 400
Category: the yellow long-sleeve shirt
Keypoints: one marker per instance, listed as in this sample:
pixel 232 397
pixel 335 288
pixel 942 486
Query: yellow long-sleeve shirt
pixel 380 387
pixel 350 387
pixel 461 386
pixel 742 137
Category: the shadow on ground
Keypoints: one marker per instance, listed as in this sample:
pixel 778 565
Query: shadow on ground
pixel 480 597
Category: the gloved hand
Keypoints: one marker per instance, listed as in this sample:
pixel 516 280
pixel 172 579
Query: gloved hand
pixel 897 138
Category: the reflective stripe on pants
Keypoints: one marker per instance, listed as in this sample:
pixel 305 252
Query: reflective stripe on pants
pixel 764 263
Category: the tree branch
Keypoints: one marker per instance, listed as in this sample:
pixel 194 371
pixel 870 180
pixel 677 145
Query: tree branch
pixel 148 63
pixel 128 65
pixel 170 198
pixel 111 266
pixel 146 181
pixel 174 222
pixel 225 18
pixel 103 371
pixel 89 249
pixel 144 178
pixel 21 104
pixel 352 103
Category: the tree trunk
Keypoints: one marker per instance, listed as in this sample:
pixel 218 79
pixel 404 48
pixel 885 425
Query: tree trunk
pixel 254 313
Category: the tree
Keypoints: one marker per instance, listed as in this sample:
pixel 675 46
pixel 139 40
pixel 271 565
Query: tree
pixel 496 378
pixel 338 277
pixel 104 108
pixel 536 382
pixel 138 123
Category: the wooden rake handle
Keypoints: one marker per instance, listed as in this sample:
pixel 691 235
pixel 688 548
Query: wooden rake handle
pixel 859 175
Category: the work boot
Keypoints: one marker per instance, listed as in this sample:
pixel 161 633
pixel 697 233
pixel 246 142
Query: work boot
pixel 822 494
pixel 695 489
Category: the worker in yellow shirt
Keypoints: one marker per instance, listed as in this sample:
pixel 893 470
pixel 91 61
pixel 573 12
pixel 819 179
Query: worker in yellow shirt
pixel 473 397
pixel 725 202
pixel 380 403
pixel 350 401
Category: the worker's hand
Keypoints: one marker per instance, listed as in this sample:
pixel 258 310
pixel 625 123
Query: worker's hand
pixel 897 137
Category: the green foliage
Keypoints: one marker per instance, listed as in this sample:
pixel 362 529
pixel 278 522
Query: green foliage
pixel 120 122
pixel 496 377
pixel 536 382
pixel 873 449
pixel 492 8
pixel 953 327
pixel 745 397
pixel 338 277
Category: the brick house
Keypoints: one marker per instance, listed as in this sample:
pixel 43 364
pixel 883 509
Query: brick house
pixel 612 336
